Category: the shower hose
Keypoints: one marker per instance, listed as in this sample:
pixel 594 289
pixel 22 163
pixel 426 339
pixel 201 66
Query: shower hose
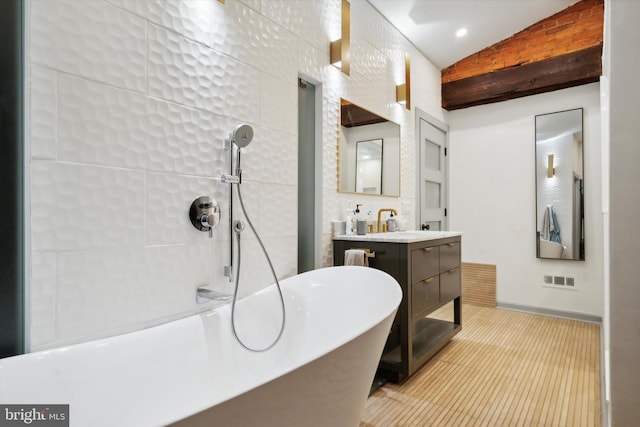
pixel 238 227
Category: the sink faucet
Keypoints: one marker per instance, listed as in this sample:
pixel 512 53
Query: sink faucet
pixel 395 212
pixel 204 295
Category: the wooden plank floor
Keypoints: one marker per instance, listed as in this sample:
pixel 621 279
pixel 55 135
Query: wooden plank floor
pixel 504 368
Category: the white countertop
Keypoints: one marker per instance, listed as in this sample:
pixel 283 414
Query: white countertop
pixel 400 236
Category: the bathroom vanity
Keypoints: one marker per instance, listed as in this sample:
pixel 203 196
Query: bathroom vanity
pixel 427 266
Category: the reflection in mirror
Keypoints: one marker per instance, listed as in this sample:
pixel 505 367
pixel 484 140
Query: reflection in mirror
pixel 369 166
pixel 560 186
pixel 369 152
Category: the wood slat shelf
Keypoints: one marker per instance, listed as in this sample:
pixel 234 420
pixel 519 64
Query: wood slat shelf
pixel 428 334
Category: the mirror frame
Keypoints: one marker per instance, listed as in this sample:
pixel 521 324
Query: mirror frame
pixel 549 166
pixel 365 117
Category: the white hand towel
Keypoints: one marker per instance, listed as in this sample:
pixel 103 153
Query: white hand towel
pixel 356 257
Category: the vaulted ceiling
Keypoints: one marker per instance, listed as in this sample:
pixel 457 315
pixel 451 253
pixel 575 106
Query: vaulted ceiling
pixel 431 25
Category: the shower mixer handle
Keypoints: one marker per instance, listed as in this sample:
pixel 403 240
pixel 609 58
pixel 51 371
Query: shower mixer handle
pixel 209 221
pixel 204 214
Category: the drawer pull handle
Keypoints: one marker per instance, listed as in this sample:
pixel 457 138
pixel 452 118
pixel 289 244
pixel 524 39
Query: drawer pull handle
pixel 452 270
pixel 427 281
pixel 427 249
pixel 450 244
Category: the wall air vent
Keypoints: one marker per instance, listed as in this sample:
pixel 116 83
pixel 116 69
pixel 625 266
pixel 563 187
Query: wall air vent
pixel 559 282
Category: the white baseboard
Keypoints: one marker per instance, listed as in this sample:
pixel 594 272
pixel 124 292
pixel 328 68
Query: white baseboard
pixel 553 313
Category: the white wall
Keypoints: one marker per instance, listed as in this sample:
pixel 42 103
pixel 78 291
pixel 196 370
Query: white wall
pixel 492 198
pixel 130 102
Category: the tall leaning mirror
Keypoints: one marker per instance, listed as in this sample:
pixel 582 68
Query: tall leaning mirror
pixel 560 185
pixel 369 152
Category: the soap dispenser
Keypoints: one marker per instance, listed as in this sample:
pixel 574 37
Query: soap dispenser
pixel 392 224
pixel 361 224
pixel 357 213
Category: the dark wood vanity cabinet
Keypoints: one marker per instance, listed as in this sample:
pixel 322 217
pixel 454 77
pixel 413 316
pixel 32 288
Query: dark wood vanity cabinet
pixel 429 273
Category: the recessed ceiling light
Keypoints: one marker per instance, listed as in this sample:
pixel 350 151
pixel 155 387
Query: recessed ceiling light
pixel 461 32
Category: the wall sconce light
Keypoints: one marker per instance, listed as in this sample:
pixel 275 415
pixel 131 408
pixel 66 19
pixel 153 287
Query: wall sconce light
pixel 551 170
pixel 403 91
pixel 339 50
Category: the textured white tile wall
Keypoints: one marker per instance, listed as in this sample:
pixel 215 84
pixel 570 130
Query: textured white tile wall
pixel 43 297
pixel 84 206
pixel 43 113
pixel 130 103
pixel 91 39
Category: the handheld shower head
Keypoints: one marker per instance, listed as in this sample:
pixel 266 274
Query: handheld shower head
pixel 241 135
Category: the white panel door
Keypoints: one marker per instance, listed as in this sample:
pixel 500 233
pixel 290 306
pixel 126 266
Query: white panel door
pixel 433 176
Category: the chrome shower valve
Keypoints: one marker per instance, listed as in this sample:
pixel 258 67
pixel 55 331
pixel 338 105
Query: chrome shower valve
pixel 205 214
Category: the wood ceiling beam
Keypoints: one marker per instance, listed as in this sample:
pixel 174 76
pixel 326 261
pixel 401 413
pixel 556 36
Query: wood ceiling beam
pixel 560 72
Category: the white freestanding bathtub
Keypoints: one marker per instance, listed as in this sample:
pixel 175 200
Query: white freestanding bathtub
pixel 549 249
pixel 193 372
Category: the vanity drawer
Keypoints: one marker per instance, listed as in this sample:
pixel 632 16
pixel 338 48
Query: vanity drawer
pixel 450 284
pixel 449 256
pixel 425 295
pixel 424 263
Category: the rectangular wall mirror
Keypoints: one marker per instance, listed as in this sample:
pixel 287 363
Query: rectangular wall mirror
pixel 560 185
pixel 368 152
